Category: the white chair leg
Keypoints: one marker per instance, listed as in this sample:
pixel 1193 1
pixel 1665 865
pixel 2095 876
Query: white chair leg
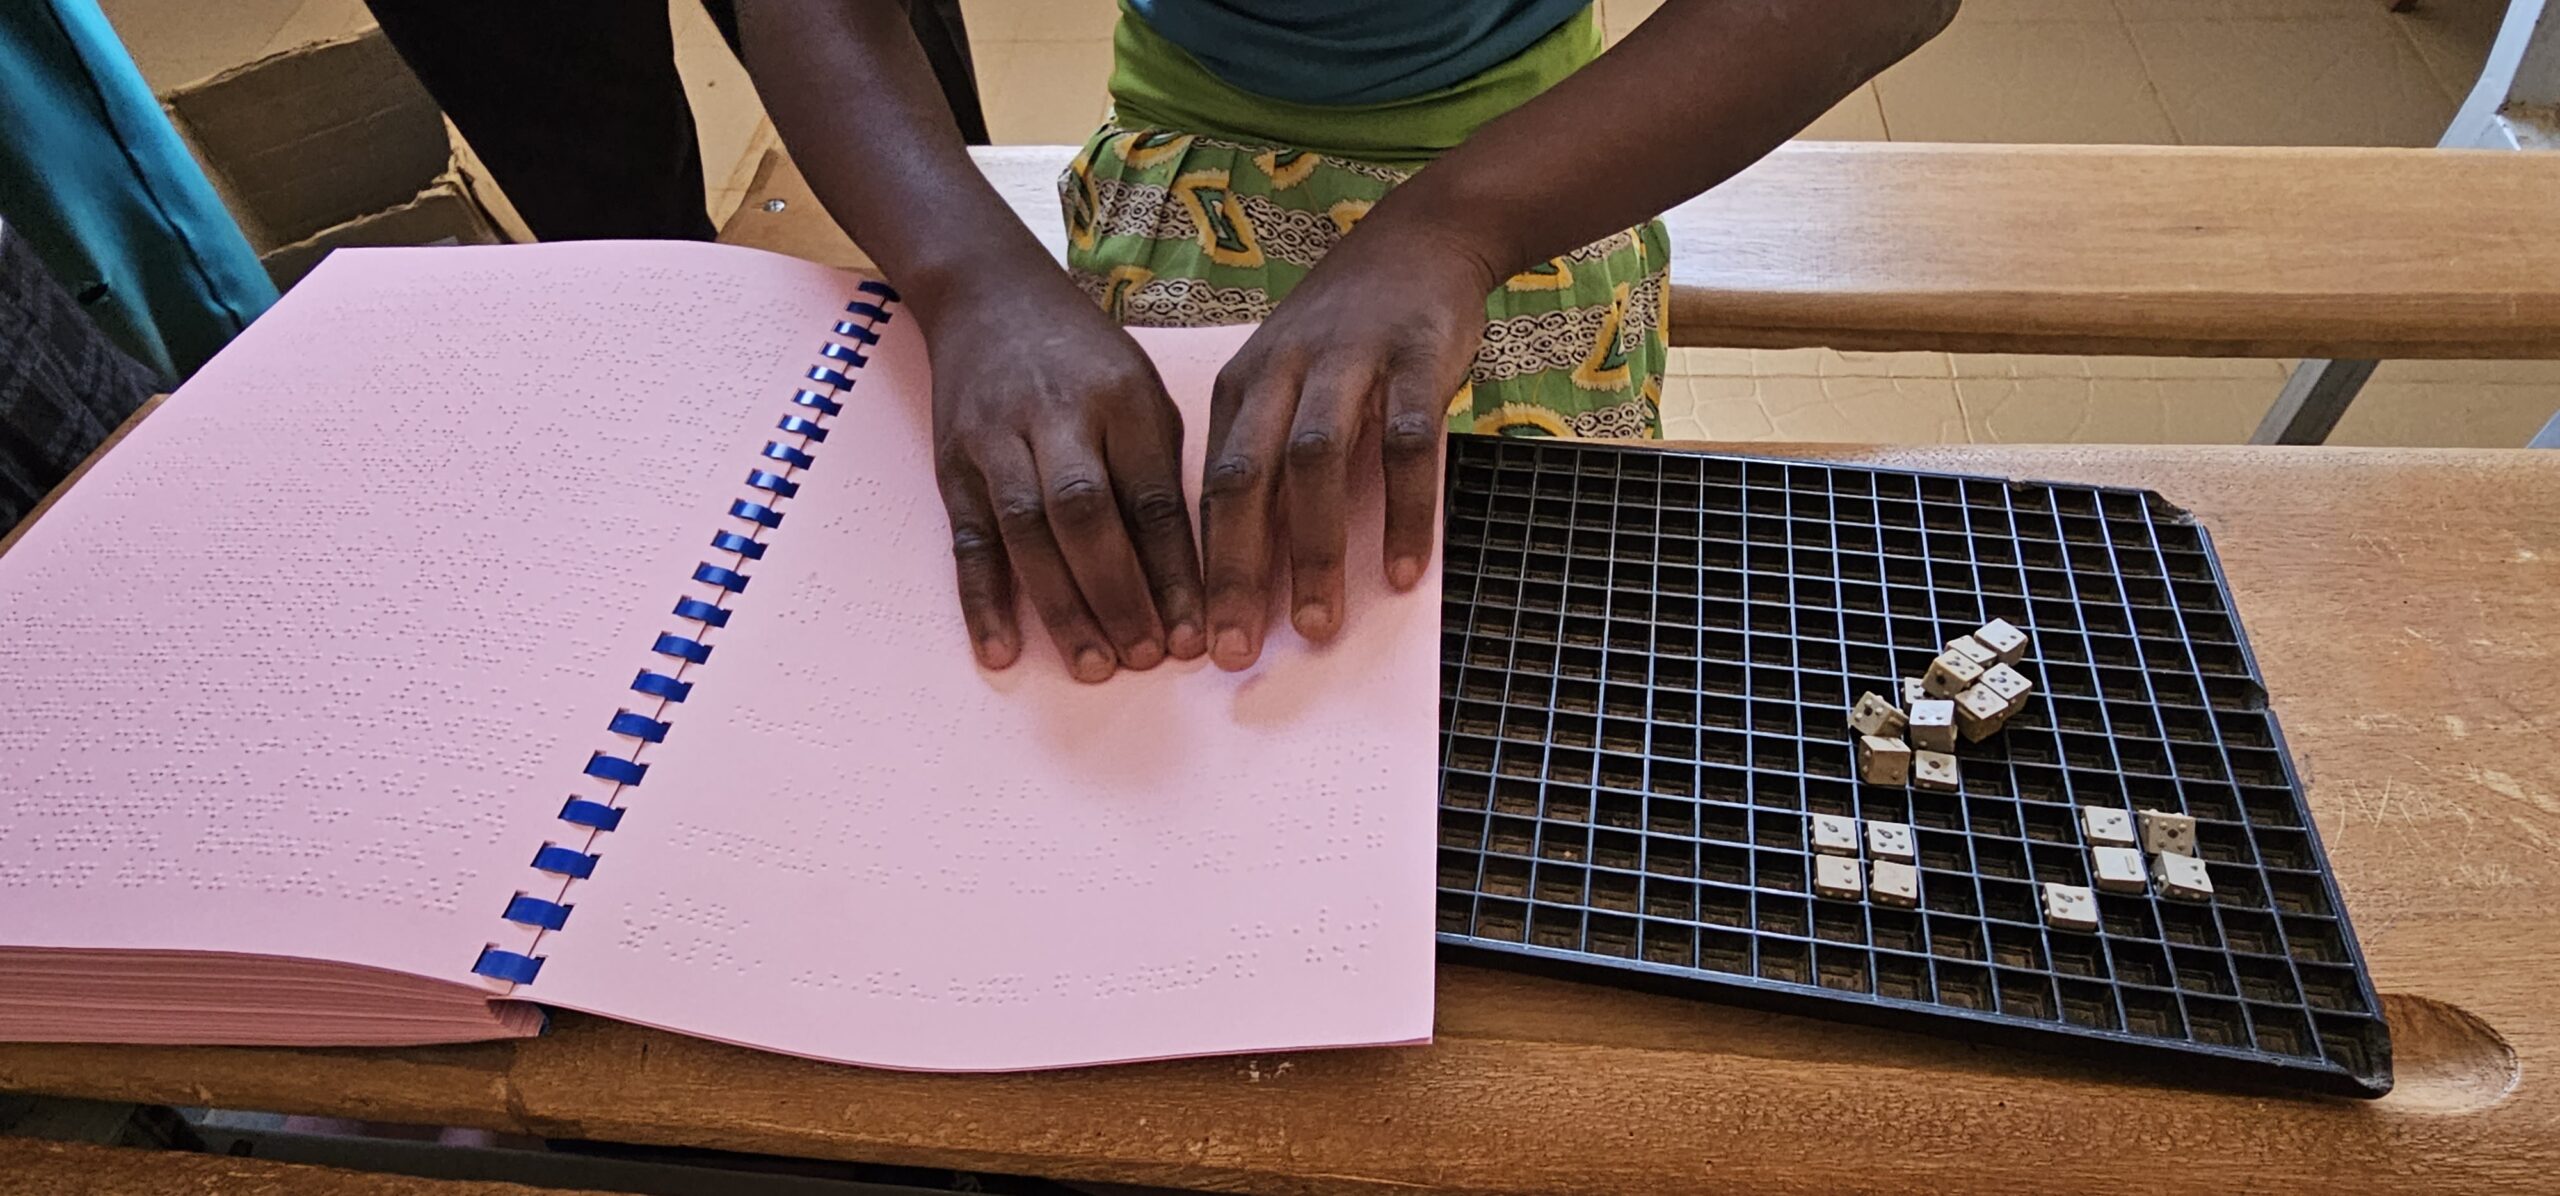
pixel 2509 108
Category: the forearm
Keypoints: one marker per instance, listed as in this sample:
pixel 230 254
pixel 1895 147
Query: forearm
pixel 851 94
pixel 1696 93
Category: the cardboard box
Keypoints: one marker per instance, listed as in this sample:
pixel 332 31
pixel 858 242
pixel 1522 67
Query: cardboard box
pixel 315 136
pixel 329 144
pixel 443 214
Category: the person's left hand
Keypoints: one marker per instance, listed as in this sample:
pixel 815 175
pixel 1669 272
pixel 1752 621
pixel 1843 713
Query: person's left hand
pixel 1376 339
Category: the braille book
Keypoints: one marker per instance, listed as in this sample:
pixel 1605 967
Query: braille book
pixel 493 629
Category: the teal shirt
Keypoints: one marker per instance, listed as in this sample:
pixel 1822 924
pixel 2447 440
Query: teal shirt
pixel 1351 52
pixel 96 180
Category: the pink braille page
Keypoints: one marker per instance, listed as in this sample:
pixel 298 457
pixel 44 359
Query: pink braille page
pixel 856 845
pixel 308 665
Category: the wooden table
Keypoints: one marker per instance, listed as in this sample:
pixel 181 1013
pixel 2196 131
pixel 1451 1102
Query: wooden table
pixel 32 1168
pixel 2406 609
pixel 2151 250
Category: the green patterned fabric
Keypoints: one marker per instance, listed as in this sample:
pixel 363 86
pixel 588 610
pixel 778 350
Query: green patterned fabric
pixel 1169 228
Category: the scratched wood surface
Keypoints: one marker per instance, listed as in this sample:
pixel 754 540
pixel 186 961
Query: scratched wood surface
pixel 2161 250
pixel 32 1168
pixel 2405 606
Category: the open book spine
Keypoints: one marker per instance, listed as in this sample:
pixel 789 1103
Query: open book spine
pixel 575 851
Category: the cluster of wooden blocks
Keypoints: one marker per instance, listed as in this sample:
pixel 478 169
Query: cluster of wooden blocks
pixel 1892 872
pixel 1971 689
pixel 2118 840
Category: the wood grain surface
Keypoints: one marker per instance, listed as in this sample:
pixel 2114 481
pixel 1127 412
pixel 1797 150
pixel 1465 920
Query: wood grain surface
pixel 2405 607
pixel 32 1168
pixel 2159 250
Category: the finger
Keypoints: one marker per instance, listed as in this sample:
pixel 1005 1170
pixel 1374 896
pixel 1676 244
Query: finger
pixel 977 554
pixel 1250 420
pixel 1146 472
pixel 1331 412
pixel 1022 515
pixel 1409 442
pixel 1084 517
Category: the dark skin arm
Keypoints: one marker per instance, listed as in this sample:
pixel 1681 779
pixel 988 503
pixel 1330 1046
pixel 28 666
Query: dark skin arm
pixel 1379 335
pixel 1056 446
pixel 1057 450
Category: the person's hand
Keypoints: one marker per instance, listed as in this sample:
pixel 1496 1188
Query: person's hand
pixel 1059 458
pixel 1369 348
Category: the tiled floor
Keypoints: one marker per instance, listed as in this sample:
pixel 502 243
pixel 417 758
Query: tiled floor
pixel 2335 72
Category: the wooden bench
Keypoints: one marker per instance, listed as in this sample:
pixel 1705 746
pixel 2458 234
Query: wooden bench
pixel 2146 250
pixel 2402 604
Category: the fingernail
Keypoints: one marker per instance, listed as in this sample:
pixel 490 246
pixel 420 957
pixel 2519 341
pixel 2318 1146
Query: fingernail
pixel 1314 619
pixel 1233 646
pixel 1403 571
pixel 1186 641
pixel 1145 654
pixel 1092 664
pixel 996 652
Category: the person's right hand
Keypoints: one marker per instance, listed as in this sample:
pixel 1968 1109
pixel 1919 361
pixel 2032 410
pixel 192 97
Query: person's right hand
pixel 1060 462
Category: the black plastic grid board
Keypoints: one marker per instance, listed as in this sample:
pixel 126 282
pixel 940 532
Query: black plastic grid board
pixel 1647 665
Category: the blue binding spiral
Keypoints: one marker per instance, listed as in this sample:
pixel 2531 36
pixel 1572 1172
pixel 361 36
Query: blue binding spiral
pixel 688 651
pixel 638 726
pixel 514 967
pixel 703 612
pixel 616 769
pixel 733 542
pixel 534 911
pixel 593 815
pixel 666 683
pixel 576 865
pixel 727 579
pixel 659 685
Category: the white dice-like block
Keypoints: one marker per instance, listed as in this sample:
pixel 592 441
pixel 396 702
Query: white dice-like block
pixel 2166 832
pixel 2117 869
pixel 1874 715
pixel 2070 907
pixel 1891 841
pixel 1950 674
pixel 1932 725
pixel 1912 694
pixel 1883 761
pixel 1836 876
pixel 1936 771
pixel 1894 883
pixel 1980 713
pixel 1974 650
pixel 2181 876
pixel 2004 638
pixel 2009 683
pixel 2106 826
pixel 1834 834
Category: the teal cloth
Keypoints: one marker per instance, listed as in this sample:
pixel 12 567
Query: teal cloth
pixel 98 182
pixel 1349 52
